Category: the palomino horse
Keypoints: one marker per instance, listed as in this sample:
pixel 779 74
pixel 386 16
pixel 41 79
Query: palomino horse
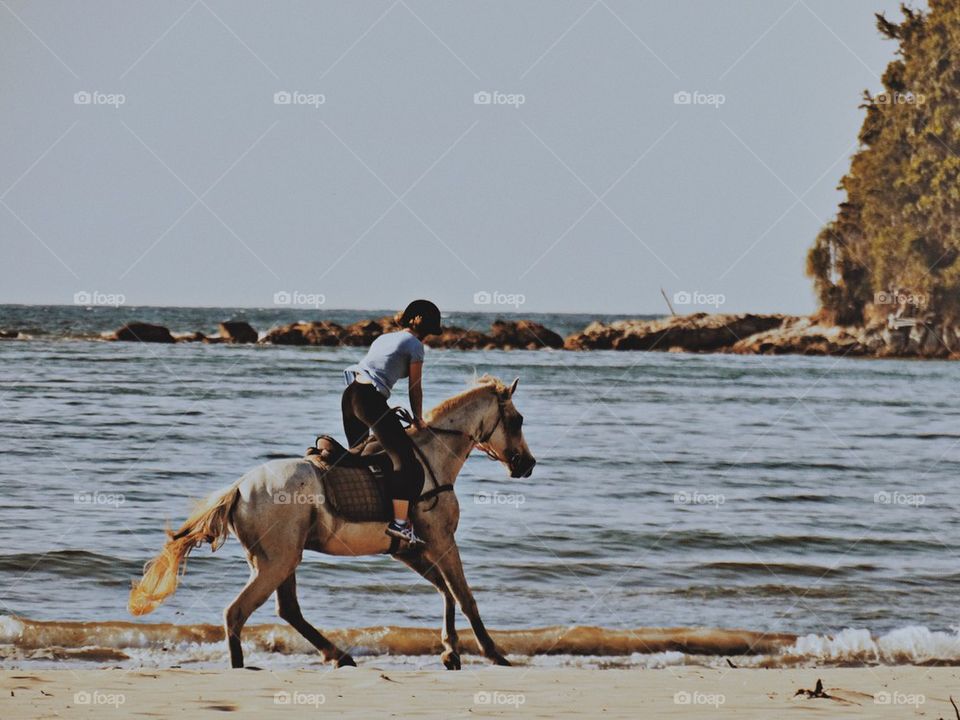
pixel 274 533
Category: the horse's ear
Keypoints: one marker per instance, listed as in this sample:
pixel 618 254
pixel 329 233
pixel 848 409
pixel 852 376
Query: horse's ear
pixel 513 386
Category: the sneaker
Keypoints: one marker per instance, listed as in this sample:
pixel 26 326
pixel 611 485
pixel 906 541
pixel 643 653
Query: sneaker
pixel 404 532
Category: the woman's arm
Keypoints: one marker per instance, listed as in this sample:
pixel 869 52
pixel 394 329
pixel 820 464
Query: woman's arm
pixel 416 393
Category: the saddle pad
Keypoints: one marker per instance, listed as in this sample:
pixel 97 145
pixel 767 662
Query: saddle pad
pixel 355 494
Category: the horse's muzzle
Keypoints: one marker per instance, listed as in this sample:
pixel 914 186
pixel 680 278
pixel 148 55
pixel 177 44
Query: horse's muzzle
pixel 522 467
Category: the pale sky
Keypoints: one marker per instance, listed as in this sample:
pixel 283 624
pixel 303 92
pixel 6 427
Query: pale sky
pixel 584 186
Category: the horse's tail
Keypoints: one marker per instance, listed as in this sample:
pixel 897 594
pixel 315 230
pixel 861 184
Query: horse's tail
pixel 209 523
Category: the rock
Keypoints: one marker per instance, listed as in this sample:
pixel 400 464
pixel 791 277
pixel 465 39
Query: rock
pixel 364 332
pixel 699 332
pixel 143 332
pixel 190 337
pixel 237 332
pixel 9 334
pixel 805 336
pixel 523 334
pixel 460 339
pixel 322 332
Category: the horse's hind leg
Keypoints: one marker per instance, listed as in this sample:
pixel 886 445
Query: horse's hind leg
pixel 288 608
pixel 448 635
pixel 263 581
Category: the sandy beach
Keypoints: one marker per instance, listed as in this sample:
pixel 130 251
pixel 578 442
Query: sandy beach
pixel 877 692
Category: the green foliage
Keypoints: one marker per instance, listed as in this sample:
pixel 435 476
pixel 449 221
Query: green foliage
pixel 899 227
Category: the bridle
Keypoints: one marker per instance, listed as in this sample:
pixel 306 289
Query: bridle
pixel 480 443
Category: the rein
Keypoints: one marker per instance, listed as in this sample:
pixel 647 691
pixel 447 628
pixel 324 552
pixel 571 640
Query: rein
pixel 479 444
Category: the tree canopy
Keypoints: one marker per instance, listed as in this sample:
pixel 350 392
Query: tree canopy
pixel 895 240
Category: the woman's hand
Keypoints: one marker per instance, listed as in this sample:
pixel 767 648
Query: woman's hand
pixel 419 424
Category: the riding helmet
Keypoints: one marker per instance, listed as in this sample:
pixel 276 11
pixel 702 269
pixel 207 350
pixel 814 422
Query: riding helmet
pixel 429 316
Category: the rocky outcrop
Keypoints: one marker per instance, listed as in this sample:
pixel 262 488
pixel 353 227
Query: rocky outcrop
pixel 692 333
pixel 804 336
pixel 238 332
pixel 193 337
pixel 320 332
pixel 9 334
pixel 458 338
pixel 364 332
pixel 772 335
pixel 143 332
pixel 523 334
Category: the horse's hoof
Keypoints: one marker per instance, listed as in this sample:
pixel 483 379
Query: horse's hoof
pixel 451 660
pixel 346 661
pixel 501 660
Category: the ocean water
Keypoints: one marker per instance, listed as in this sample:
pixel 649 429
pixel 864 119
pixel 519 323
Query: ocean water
pixel 793 496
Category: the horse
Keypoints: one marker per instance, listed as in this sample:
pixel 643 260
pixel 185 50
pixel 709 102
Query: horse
pixel 274 533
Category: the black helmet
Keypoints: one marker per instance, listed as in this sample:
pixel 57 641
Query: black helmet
pixel 429 317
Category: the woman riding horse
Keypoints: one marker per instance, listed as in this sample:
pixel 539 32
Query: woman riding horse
pixel 392 356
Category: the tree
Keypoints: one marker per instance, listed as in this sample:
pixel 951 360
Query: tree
pixel 898 231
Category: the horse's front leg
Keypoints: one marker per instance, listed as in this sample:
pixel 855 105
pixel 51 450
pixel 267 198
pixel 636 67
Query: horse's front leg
pixel 448 633
pixel 447 559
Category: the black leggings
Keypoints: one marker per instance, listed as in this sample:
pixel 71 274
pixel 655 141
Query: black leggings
pixel 365 409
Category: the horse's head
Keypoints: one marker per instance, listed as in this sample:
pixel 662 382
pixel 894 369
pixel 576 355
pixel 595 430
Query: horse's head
pixel 500 434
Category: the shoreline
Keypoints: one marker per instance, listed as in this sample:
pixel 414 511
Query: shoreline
pixel 698 333
pixel 880 692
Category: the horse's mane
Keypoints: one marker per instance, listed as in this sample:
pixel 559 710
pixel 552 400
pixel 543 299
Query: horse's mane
pixel 482 384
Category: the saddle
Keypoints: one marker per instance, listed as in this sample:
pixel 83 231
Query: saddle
pixel 354 482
